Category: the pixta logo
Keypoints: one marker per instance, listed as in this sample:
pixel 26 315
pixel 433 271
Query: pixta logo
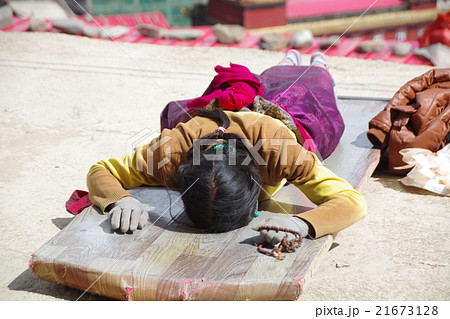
pixel 144 136
pixel 158 149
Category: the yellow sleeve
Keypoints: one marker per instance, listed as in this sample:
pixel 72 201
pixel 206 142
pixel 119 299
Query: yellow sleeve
pixel 108 180
pixel 339 204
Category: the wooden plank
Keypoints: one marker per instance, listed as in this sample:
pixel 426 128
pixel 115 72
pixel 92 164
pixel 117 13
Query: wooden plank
pixel 171 260
pixel 103 273
pixel 364 158
pixel 185 266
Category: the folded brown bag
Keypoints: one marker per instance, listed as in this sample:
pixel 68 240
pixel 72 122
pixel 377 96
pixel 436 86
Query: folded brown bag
pixel 417 116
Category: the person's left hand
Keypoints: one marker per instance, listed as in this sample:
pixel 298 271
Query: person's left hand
pixel 274 237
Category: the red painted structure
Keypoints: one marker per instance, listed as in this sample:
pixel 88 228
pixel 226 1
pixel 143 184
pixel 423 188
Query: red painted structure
pixel 248 14
pixel 296 9
pixel 346 48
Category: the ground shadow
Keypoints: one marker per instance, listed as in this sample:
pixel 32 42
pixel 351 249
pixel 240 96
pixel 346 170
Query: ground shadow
pixel 252 241
pixel 362 141
pixel 333 246
pixel 61 223
pixel 26 281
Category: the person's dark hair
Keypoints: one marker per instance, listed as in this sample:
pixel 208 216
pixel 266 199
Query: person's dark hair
pixel 221 185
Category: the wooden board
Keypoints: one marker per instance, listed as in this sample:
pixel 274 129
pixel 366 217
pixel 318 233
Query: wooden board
pixel 171 260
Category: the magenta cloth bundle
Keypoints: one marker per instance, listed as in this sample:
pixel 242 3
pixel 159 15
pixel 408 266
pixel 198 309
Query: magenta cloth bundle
pixel 78 201
pixel 235 87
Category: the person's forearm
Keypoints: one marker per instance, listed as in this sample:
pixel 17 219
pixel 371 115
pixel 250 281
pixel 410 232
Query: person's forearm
pixel 339 204
pixel 104 188
pixel 108 181
pixel 339 212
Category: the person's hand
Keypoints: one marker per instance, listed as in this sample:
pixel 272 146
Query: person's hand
pixel 274 237
pixel 128 214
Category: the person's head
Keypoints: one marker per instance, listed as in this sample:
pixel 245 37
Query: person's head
pixel 219 180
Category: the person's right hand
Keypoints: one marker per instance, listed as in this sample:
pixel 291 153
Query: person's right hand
pixel 274 237
pixel 128 214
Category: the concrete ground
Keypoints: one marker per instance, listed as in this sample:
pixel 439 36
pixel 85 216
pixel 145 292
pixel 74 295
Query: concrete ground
pixel 67 102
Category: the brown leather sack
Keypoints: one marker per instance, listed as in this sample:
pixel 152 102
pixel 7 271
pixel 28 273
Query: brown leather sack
pixel 418 116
